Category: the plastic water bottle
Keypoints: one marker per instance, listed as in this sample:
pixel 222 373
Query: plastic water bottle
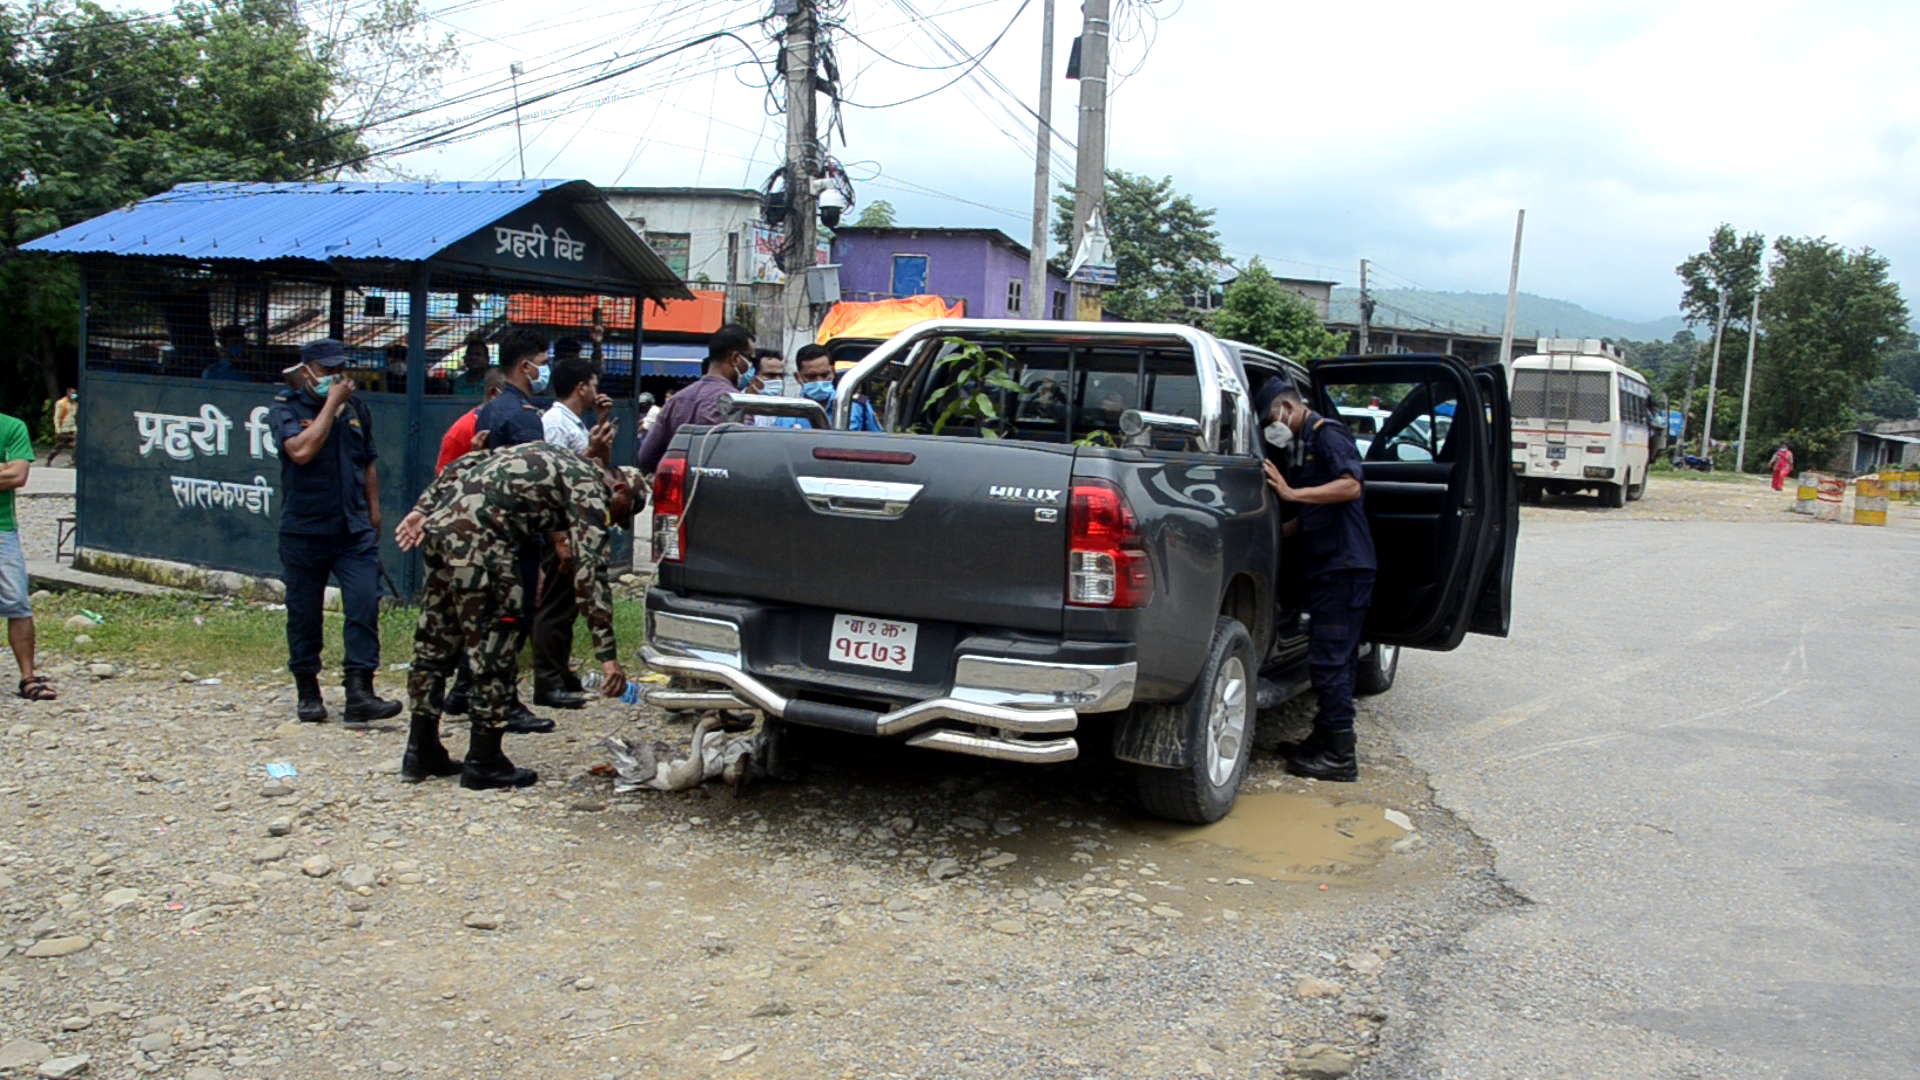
pixel 592 681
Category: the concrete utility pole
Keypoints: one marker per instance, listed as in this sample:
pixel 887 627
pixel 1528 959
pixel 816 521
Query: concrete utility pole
pixel 1038 300
pixel 513 71
pixel 1713 379
pixel 1366 310
pixel 1746 393
pixel 1513 295
pixel 1090 173
pixel 802 147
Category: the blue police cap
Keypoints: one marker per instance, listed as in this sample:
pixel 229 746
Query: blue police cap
pixel 1264 397
pixel 327 352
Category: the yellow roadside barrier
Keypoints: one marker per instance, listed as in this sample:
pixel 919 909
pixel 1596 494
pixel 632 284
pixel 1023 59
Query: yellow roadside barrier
pixel 1869 501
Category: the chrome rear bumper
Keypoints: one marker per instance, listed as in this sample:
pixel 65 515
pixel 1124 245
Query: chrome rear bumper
pixel 995 709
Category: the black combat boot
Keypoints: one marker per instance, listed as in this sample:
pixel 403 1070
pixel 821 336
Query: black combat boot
pixel 363 705
pixel 1332 759
pixel 311 708
pixel 524 721
pixel 1306 747
pixel 426 756
pixel 487 765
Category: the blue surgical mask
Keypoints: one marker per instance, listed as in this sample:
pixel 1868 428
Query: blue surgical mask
pixel 236 352
pixel 820 391
pixel 540 378
pixel 745 379
pixel 321 385
pixel 774 388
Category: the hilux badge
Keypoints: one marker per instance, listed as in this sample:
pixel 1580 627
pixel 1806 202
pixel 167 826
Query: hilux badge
pixel 1023 494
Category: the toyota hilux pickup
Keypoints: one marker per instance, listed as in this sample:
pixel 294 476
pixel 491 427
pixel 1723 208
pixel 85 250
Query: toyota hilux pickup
pixel 1063 538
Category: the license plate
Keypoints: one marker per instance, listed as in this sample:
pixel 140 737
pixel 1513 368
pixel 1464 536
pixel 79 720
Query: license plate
pixel 1557 453
pixel 880 643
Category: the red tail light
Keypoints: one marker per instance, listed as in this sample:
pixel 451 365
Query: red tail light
pixel 1106 562
pixel 669 507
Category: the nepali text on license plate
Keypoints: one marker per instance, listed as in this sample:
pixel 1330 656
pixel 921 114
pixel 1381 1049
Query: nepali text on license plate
pixel 880 643
pixel 1557 452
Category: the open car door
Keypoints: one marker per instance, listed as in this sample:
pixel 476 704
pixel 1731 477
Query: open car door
pixel 1439 493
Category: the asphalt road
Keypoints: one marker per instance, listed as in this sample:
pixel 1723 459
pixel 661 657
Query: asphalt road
pixel 1694 759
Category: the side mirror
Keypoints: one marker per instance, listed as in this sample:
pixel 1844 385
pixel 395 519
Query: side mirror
pixel 1406 451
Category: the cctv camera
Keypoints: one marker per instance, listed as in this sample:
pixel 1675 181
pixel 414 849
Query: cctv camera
pixel 829 215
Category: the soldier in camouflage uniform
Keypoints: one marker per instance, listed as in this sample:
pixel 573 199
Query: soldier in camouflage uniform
pixel 473 519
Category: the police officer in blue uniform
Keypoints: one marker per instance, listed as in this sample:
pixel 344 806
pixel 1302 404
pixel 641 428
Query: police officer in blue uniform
pixel 511 419
pixel 1319 470
pixel 329 527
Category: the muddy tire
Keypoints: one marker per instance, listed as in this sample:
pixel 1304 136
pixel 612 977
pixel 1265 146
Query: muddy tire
pixel 1378 665
pixel 1216 725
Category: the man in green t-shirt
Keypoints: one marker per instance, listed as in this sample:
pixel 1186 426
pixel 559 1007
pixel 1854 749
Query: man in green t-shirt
pixel 16 458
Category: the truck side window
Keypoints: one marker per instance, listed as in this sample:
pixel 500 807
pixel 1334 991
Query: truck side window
pixel 1107 383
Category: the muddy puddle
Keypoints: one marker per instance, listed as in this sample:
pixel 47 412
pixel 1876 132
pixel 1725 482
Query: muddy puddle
pixel 1284 836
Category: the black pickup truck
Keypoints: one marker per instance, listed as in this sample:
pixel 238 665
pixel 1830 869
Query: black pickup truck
pixel 1081 549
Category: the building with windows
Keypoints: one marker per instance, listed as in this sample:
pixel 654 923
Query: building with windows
pixel 983 267
pixel 714 239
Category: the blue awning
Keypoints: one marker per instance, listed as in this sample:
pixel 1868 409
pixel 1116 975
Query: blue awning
pixel 677 361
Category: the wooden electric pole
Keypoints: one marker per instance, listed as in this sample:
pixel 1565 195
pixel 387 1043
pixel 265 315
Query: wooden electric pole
pixel 1090 173
pixel 1038 298
pixel 802 148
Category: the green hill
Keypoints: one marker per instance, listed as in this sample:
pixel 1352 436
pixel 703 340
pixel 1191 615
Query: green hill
pixel 1483 313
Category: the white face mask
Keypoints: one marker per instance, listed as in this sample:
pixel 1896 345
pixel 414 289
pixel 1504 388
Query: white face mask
pixel 1279 436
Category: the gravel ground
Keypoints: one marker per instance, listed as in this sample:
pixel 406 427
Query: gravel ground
pixel 37 516
pixel 169 910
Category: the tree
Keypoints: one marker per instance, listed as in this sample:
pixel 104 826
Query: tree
pixel 384 61
pixel 1165 248
pixel 877 215
pixel 1832 319
pixel 99 109
pixel 1884 398
pixel 1729 269
pixel 1259 311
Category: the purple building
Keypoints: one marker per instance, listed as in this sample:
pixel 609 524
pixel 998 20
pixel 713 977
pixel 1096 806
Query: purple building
pixel 984 267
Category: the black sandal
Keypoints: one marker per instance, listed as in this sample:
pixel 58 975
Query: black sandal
pixel 37 688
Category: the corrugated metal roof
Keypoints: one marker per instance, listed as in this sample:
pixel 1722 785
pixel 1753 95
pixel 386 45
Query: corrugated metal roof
pixel 328 222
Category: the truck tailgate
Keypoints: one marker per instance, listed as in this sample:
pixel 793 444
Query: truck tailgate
pixel 969 531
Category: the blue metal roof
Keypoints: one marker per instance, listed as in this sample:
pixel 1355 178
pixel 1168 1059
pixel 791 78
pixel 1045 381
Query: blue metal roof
pixel 327 222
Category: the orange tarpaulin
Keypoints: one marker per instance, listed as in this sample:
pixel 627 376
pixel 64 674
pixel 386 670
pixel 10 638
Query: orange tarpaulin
pixel 701 315
pixel 885 318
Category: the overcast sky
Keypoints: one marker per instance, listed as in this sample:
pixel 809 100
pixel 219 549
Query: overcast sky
pixel 1403 131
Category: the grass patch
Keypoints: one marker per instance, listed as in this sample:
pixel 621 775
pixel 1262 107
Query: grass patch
pixel 212 637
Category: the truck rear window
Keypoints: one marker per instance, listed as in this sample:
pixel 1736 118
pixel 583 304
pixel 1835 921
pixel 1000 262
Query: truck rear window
pixel 1069 393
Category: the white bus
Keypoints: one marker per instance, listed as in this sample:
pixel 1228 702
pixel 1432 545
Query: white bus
pixel 1580 422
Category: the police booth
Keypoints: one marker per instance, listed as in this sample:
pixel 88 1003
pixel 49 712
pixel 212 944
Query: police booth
pixel 194 301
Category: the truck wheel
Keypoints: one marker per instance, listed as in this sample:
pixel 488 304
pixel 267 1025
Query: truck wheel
pixel 1614 496
pixel 1377 667
pixel 1635 491
pixel 1216 724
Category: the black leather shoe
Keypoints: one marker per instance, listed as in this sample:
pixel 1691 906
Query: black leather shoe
pixel 560 699
pixel 1333 759
pixel 487 765
pixel 426 755
pixel 363 705
pixel 524 721
pixel 311 709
